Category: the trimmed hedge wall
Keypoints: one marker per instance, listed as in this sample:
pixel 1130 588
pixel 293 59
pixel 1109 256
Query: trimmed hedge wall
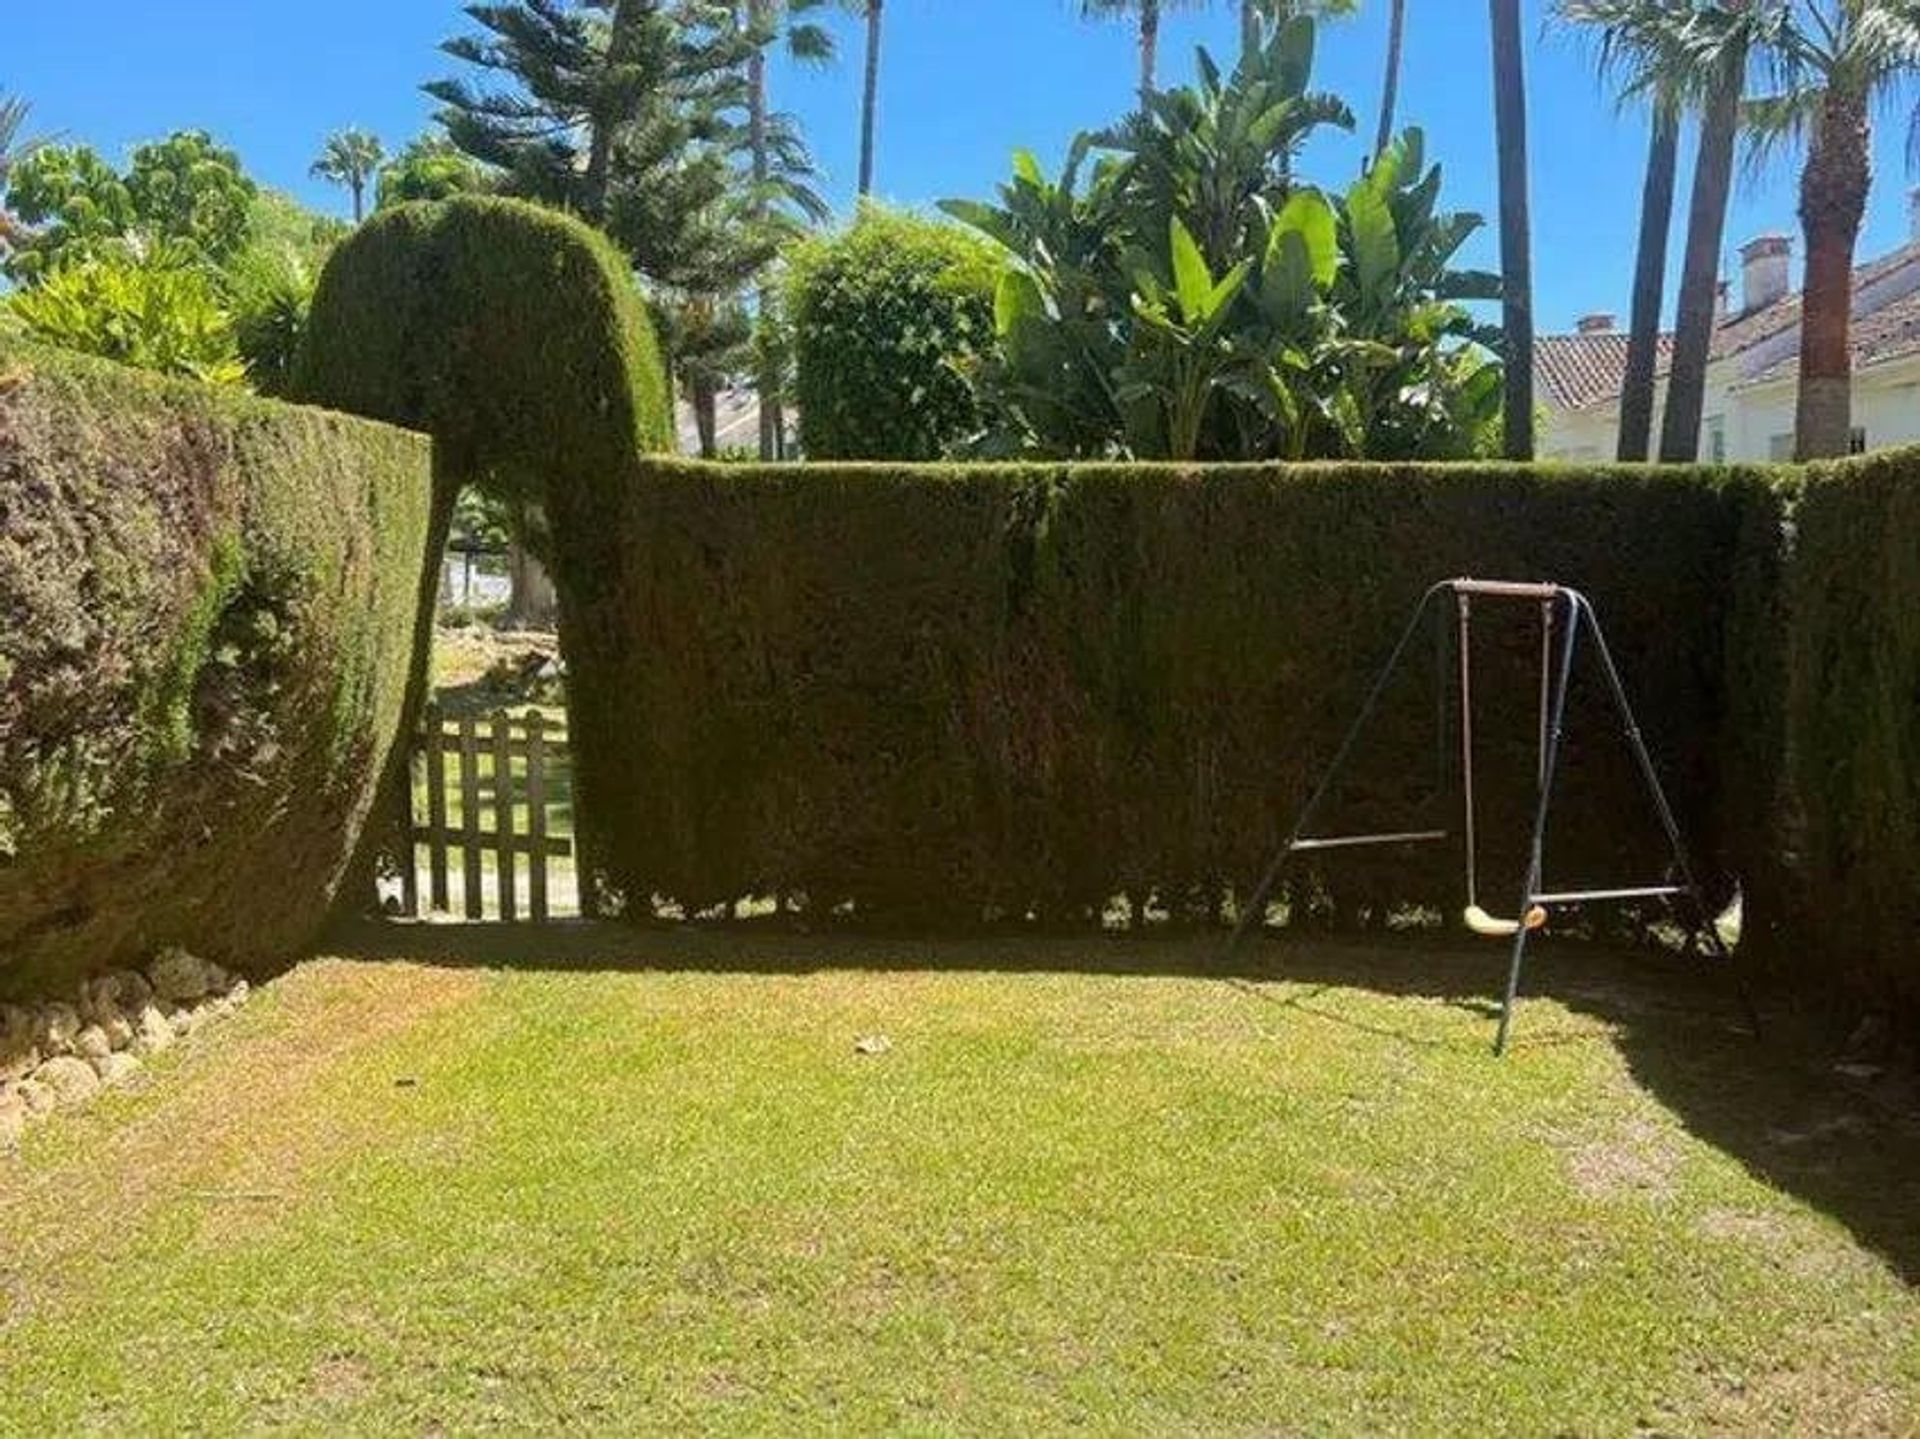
pixel 1853 723
pixel 207 613
pixel 1025 690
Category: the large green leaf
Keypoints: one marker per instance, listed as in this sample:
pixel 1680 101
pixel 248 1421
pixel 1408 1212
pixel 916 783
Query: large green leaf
pixel 1017 299
pixel 1376 246
pixel 1192 281
pixel 1308 219
pixel 983 217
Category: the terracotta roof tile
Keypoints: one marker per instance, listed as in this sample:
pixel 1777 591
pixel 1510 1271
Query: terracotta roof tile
pixel 1887 334
pixel 1577 370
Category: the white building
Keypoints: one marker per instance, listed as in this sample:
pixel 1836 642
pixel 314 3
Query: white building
pixel 1754 366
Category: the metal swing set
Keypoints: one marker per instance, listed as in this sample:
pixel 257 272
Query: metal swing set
pixel 1565 614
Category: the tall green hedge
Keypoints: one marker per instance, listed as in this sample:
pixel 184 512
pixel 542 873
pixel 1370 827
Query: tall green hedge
pixel 1026 690
pixel 207 613
pixel 885 315
pixel 1853 724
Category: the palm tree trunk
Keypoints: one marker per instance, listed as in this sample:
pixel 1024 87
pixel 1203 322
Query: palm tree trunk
pixel 1649 287
pixel 706 418
pixel 359 198
pixel 1149 46
pixel 870 95
pixel 1390 92
pixel 1700 271
pixel 1833 201
pixel 1516 257
pixel 767 382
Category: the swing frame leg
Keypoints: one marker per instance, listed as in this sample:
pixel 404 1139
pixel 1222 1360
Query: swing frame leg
pixel 1536 848
pixel 1701 923
pixel 1254 914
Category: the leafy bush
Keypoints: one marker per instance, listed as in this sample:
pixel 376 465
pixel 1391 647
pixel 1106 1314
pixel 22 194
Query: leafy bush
pixel 207 614
pixel 271 292
pixel 884 316
pixel 1196 300
pixel 1025 690
pixel 156 313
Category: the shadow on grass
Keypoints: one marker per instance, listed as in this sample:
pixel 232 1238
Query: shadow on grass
pixel 1774 1104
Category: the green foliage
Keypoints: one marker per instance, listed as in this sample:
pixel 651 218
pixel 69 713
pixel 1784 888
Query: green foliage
pixel 431 167
pixel 1019 690
pixel 601 109
pixel 188 191
pixel 1194 300
pixel 156 313
pixel 74 204
pixel 207 607
pixel 184 195
pixel 280 222
pixel 269 286
pixel 885 317
pixel 271 290
pixel 1853 721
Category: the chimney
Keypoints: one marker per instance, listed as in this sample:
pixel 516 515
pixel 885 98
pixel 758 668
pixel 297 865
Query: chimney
pixel 1765 263
pixel 1598 323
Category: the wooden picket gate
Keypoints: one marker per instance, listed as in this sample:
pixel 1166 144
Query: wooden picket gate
pixel 515 769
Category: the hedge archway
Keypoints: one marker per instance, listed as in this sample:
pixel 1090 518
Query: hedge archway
pixel 516 338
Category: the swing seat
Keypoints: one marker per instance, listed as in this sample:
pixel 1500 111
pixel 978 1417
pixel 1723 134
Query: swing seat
pixel 1488 927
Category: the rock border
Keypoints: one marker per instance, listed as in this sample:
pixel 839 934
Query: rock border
pixel 59 1053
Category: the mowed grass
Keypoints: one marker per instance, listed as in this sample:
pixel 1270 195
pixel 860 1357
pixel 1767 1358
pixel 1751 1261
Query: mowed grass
pixel 646 1180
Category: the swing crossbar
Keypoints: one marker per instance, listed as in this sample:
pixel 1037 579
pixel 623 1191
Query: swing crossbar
pixel 1584 896
pixel 1507 589
pixel 1354 841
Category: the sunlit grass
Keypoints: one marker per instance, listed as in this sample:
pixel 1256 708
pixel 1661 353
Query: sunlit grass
pixel 630 1191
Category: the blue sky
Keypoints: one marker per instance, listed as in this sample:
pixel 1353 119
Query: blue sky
pixel 964 82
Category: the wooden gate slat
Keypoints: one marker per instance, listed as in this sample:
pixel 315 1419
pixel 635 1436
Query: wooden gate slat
pixel 537 816
pixel 437 811
pixel 470 819
pixel 503 814
pixel 409 850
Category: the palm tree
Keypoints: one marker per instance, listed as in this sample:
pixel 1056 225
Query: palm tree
pixel 1148 13
pixel 1390 90
pixel 1619 25
pixel 1635 442
pixel 1516 259
pixel 1832 62
pixel 15 146
pixel 767 23
pixel 1255 13
pixel 870 93
pixel 1703 54
pixel 351 157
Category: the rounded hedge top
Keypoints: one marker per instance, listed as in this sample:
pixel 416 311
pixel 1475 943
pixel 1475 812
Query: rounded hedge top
pixel 513 334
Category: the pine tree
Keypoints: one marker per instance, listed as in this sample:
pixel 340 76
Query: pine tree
pixel 577 85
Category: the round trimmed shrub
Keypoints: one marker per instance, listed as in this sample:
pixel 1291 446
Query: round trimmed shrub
pixel 885 314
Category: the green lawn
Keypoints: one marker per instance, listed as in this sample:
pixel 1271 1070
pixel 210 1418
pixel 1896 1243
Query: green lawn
pixel 645 1179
